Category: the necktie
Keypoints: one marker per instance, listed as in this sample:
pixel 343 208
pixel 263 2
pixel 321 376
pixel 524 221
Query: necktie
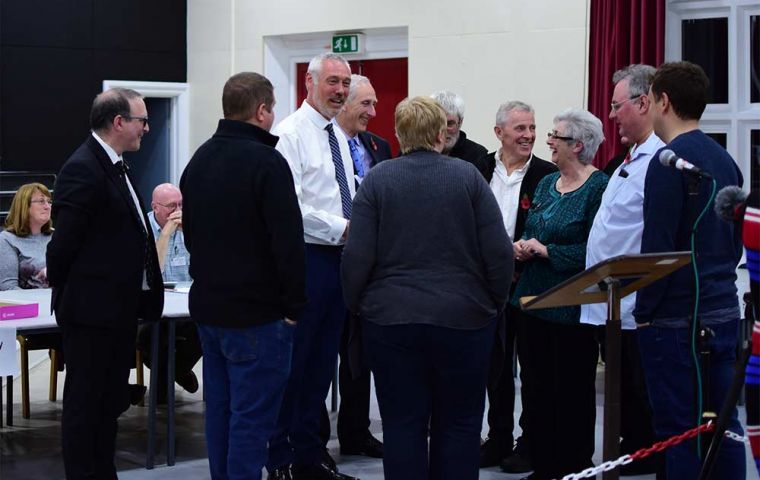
pixel 356 157
pixel 340 173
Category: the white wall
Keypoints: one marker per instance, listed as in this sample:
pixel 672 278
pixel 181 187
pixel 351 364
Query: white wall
pixel 488 51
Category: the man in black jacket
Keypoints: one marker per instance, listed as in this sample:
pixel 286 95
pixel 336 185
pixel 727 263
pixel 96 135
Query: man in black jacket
pixel 513 173
pixel 103 268
pixel 457 144
pixel 367 149
pixel 244 233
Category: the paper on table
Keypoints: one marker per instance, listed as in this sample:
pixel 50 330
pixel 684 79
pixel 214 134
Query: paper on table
pixel 8 357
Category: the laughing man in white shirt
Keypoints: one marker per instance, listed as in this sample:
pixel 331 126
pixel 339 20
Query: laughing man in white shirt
pixel 617 230
pixel 317 151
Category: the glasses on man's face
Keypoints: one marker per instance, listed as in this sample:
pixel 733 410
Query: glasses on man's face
pixel 43 201
pixel 615 106
pixel 144 120
pixel 171 206
pixel 554 136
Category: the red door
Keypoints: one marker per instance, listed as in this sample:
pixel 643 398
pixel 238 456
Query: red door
pixel 390 80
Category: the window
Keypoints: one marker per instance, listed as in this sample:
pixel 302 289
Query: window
pixel 723 37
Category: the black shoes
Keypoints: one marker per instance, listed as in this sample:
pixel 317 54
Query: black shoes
pixel 188 381
pixel 368 446
pixel 282 473
pixel 492 452
pixel 516 463
pixel 320 471
pixel 136 393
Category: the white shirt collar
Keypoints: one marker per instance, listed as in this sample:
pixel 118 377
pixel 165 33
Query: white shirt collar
pixel 109 151
pixel 315 117
pixel 522 169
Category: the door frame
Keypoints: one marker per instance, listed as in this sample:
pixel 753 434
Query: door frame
pixel 179 117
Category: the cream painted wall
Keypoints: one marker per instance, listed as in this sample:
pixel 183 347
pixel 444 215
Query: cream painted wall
pixel 488 51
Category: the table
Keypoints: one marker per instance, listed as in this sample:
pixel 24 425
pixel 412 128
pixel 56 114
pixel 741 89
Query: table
pixel 175 308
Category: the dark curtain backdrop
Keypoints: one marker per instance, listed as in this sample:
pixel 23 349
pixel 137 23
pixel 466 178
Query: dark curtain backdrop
pixel 622 32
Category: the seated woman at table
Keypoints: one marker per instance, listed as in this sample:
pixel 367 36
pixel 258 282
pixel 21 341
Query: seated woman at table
pixel 23 243
pixel 561 365
pixel 427 266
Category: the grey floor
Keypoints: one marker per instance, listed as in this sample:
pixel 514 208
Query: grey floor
pixel 31 448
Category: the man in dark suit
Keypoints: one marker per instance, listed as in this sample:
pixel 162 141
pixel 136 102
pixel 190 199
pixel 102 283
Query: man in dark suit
pixel 367 149
pixel 457 144
pixel 513 173
pixel 103 268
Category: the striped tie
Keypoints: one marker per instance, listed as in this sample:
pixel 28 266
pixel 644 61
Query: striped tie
pixel 340 173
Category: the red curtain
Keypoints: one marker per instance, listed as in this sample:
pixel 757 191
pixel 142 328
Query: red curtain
pixel 622 32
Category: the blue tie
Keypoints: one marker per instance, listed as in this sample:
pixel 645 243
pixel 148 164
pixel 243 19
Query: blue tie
pixel 356 156
pixel 340 173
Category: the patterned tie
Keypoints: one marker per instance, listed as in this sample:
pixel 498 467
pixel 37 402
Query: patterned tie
pixel 353 146
pixel 340 173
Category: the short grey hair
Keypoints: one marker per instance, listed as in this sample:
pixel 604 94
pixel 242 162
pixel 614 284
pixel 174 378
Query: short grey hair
pixel 356 80
pixel 452 103
pixel 639 78
pixel 583 127
pixel 506 108
pixel 315 65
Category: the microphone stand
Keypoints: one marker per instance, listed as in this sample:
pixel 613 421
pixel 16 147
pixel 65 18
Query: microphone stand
pixel 725 412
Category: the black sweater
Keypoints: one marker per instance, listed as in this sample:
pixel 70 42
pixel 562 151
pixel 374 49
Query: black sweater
pixel 243 229
pixel 427 245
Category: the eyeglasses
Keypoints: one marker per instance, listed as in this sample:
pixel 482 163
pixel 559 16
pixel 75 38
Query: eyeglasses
pixel 553 135
pixel 171 206
pixel 616 106
pixel 43 201
pixel 144 120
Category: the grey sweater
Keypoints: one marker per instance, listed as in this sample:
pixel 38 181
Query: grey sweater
pixel 21 259
pixel 426 245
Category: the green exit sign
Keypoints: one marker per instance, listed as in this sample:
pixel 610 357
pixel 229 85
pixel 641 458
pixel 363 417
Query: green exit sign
pixel 349 43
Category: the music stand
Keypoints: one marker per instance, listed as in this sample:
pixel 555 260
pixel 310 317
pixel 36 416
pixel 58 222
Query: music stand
pixel 609 281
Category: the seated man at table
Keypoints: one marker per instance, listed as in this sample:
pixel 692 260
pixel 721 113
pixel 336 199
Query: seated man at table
pixel 174 260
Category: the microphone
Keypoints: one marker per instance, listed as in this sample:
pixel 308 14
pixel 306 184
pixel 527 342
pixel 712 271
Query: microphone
pixel 730 203
pixel 668 158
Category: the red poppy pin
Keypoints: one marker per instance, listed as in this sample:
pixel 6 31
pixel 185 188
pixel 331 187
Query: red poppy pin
pixel 374 145
pixel 525 202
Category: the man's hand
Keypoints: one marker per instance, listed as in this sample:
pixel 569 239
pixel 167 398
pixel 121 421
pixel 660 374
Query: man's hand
pixel 173 222
pixel 345 232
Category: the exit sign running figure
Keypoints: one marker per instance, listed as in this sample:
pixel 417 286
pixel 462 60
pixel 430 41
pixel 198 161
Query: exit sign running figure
pixel 351 43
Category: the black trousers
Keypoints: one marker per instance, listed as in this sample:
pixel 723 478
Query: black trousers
pixel 95 393
pixel 564 358
pixel 353 413
pixel 501 396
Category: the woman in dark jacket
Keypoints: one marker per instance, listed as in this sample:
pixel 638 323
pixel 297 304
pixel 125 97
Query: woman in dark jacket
pixel 427 267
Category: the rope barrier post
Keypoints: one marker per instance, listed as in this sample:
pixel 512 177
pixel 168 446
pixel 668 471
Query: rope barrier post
pixel 611 440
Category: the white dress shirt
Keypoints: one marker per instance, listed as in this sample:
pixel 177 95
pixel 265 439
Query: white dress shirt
pixel 506 189
pixel 618 226
pixel 116 158
pixel 305 145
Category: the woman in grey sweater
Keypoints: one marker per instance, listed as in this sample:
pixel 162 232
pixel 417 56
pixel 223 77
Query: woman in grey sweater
pixel 427 266
pixel 25 238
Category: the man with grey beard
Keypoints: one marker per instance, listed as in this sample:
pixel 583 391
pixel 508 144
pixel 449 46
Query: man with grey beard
pixel 457 144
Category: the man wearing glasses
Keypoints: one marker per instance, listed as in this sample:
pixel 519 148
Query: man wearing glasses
pixel 166 223
pixel 617 230
pixel 457 144
pixel 103 268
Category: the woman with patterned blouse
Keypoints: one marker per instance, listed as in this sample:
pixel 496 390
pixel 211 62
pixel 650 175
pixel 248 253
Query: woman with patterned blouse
pixel 562 366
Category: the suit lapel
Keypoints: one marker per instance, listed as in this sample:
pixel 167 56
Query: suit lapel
pixel 112 173
pixel 367 142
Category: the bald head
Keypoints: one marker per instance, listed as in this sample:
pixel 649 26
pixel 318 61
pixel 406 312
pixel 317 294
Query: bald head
pixel 166 199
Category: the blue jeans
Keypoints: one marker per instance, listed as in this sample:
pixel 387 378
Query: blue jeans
pixel 296 439
pixel 668 364
pixel 434 378
pixel 245 371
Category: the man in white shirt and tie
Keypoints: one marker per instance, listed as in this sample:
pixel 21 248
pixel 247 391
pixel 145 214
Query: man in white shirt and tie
pixel 617 230
pixel 318 155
